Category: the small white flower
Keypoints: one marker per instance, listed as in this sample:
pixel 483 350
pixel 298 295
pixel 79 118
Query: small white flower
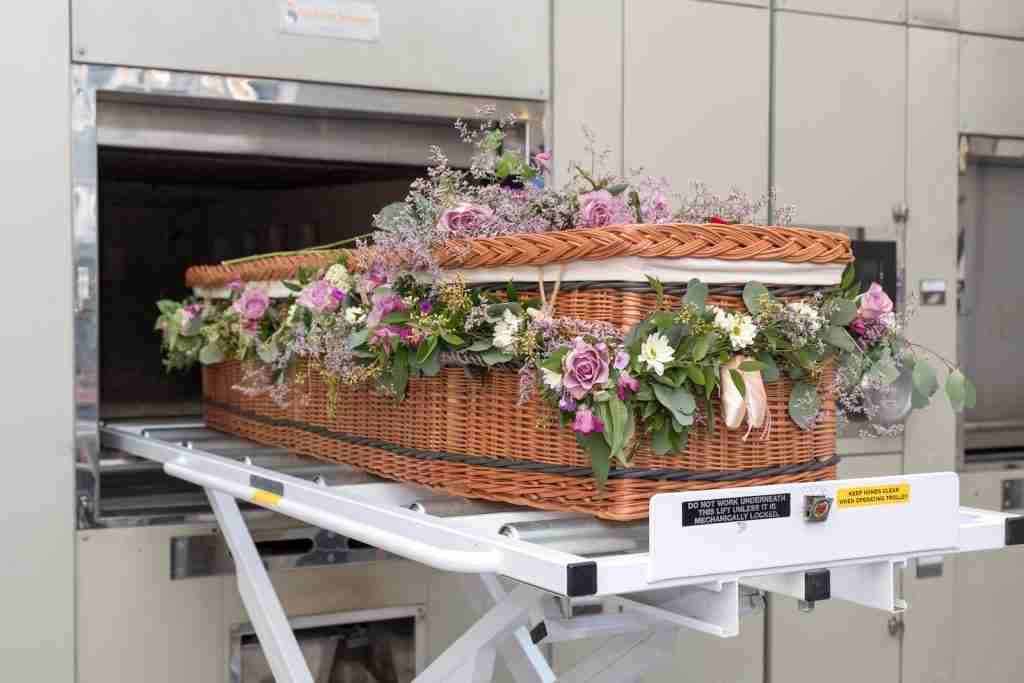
pixel 743 332
pixel 339 277
pixel 552 379
pixel 505 330
pixel 354 314
pixel 888 319
pixel 808 313
pixel 655 352
pixel 723 320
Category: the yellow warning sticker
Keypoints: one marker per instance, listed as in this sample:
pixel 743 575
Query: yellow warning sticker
pixel 266 498
pixel 866 496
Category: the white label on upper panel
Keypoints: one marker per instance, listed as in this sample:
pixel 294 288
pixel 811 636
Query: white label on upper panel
pixel 331 19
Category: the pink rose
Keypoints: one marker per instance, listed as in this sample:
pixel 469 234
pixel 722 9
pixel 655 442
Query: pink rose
pixel 252 304
pixel 236 285
pixel 320 296
pixel 375 277
pixel 874 303
pixel 621 360
pixel 543 160
pixel 586 422
pixel 584 367
pixel 251 327
pixel 464 218
pixel 188 313
pixel 599 208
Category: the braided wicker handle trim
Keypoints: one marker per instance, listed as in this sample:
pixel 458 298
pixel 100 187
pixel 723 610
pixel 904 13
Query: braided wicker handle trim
pixel 663 240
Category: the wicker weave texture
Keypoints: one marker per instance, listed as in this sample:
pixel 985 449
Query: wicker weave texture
pixel 455 413
pixel 670 240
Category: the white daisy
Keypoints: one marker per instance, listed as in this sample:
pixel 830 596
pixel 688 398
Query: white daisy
pixel 655 352
pixel 354 314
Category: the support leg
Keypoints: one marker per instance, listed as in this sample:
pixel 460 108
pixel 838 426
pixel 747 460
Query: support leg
pixel 523 658
pixel 268 618
pixel 497 624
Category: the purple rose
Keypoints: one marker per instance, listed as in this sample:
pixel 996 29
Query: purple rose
pixel 543 161
pixel 318 296
pixel 874 303
pixel 599 208
pixel 586 422
pixel 621 360
pixel 236 285
pixel 383 304
pixel 426 306
pixel 464 218
pixel 252 304
pixel 584 367
pixel 627 383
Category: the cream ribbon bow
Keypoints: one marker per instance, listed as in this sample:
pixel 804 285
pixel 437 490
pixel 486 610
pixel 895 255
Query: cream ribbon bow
pixel 753 406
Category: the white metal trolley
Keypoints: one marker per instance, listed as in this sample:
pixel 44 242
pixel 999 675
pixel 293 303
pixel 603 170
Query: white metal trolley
pixel 704 559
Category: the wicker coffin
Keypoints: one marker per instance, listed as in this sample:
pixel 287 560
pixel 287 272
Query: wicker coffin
pixel 466 435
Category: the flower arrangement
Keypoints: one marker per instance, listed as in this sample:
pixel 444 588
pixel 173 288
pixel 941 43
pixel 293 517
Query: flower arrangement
pixel 615 391
pixel 399 317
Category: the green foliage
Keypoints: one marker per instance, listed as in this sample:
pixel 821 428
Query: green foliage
pixel 753 294
pixel 804 405
pixel 696 295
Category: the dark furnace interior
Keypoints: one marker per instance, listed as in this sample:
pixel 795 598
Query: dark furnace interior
pixel 161 212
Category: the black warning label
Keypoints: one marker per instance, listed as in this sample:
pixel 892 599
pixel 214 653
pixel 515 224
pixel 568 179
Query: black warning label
pixel 743 509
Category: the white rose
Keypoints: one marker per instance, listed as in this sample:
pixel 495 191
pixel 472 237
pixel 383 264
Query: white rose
pixel 505 330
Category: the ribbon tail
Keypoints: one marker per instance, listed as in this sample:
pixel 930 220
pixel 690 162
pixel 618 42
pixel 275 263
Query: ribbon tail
pixel 734 408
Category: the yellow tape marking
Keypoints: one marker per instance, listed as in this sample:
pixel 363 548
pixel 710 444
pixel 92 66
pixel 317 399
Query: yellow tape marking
pixel 868 496
pixel 266 498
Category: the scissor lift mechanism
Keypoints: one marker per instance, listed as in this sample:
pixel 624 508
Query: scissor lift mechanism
pixel 711 556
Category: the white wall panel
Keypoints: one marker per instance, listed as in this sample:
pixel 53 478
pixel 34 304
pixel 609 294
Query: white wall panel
pixel 483 48
pixel 998 17
pixel 697 108
pixel 749 3
pixel 884 10
pixel 587 81
pixel 840 103
pixel 990 86
pixel 940 13
pixel 838 642
pixel 37 563
pixel 931 242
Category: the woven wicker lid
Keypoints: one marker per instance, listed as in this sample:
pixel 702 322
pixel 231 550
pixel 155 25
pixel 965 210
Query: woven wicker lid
pixel 661 241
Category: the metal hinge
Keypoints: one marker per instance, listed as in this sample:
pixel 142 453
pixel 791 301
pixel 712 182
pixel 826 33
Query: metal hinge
pixel 900 212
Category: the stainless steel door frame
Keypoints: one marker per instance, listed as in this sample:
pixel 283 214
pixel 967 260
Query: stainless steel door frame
pixel 157 109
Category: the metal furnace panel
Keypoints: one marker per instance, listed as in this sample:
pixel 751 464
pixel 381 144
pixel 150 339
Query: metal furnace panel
pixel 483 48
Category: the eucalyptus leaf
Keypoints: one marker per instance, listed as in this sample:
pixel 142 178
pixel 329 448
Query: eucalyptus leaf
pixel 268 353
pixel 494 357
pixel 637 333
pixel 753 293
pixel 596 447
pixel 676 334
pixel 168 307
pixel 210 355
pixel 956 390
pixel 970 394
pixel 679 401
pixel 844 312
pixel 396 318
pixel 804 404
pixel 389 213
pixel 431 365
pixel 924 379
pixel 918 400
pixel 737 379
pixel 770 372
pixel 426 348
pixel 884 371
pixel 617 189
pixel 452 338
pixel 696 376
pixel 293 286
pixel 480 345
pixel 752 366
pixel 661 441
pixel 840 338
pixel 696 294
pixel 358 338
pixel 701 346
pixel 554 361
